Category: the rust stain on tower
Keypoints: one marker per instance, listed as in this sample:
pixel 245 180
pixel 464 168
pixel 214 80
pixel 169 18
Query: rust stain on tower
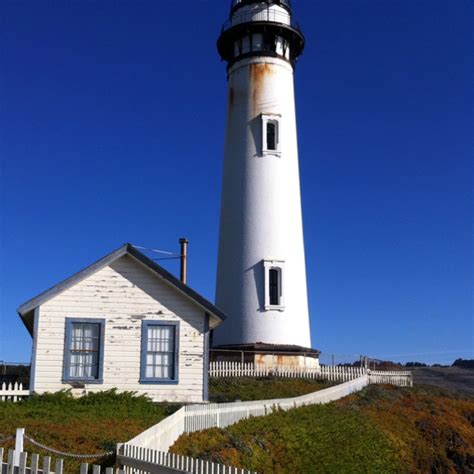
pixel 258 73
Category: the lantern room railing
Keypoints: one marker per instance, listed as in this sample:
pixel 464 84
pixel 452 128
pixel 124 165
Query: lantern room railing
pixel 264 14
pixel 235 3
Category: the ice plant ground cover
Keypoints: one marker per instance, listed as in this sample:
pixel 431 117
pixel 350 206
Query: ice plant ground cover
pixel 381 429
pixel 87 425
pixel 96 422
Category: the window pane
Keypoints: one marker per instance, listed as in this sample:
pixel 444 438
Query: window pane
pixel 160 352
pixel 274 286
pixel 257 42
pixel 271 136
pixel 84 350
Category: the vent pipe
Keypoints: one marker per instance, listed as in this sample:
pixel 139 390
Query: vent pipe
pixel 183 274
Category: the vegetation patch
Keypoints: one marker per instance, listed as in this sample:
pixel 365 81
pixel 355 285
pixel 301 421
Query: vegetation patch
pixel 381 429
pixel 96 422
pixel 260 388
pixel 432 428
pixel 87 425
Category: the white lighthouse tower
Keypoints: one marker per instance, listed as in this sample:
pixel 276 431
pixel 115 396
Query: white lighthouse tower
pixel 261 277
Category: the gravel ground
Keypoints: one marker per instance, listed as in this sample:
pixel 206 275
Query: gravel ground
pixel 452 378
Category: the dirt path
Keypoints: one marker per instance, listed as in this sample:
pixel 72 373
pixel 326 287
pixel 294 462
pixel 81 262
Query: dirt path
pixel 452 378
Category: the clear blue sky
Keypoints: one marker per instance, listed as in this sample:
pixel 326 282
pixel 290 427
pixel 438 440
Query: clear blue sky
pixel 113 116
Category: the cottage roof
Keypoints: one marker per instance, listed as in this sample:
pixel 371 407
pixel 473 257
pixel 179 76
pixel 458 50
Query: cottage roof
pixel 26 309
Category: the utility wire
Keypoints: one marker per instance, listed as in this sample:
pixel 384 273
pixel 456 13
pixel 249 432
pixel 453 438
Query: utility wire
pixel 165 258
pixel 155 250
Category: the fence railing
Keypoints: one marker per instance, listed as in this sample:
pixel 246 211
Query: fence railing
pixel 13 392
pixel 147 460
pixel 199 417
pixel 266 14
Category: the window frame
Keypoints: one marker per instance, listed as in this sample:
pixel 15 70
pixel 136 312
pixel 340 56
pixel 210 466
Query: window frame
pixel 143 353
pixel 279 265
pixel 67 351
pixel 275 119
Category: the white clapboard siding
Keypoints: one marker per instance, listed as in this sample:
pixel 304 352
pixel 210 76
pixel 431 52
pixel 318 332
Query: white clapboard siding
pixel 12 392
pixel 123 293
pixel 199 417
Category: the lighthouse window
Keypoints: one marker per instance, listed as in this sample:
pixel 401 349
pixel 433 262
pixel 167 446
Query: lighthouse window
pixel 246 44
pixel 274 288
pixel 270 134
pixel 286 49
pixel 274 295
pixel 279 45
pixel 257 41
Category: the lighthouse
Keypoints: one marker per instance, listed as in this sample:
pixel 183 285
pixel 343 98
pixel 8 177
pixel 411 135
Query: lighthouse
pixel 261 275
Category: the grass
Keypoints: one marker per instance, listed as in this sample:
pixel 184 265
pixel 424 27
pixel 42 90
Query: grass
pixel 382 429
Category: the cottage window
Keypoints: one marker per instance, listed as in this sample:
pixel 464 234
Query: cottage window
pixel 271 134
pixel 159 362
pixel 84 350
pixel 273 284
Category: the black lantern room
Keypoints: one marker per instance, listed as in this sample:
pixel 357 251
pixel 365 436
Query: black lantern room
pixel 260 28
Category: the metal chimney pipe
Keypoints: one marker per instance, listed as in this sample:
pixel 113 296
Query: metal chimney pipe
pixel 183 274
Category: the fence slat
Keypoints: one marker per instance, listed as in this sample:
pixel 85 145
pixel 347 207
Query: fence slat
pixel 46 464
pixel 59 466
pixel 22 464
pixel 34 463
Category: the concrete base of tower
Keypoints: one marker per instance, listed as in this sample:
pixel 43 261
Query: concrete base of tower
pixel 269 355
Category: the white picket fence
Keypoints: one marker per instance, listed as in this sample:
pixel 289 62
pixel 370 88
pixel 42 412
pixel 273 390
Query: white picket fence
pixel 12 392
pixel 192 418
pixel 17 462
pixel 333 373
pixel 22 463
pixel 135 459
pixel 392 377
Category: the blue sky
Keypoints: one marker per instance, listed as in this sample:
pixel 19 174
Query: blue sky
pixel 113 117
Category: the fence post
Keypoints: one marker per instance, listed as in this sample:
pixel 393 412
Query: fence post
pixel 20 432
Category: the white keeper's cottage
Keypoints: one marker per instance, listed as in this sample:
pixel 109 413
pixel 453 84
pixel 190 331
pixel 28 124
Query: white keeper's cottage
pixel 126 323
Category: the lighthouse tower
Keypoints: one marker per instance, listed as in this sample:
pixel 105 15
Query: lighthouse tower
pixel 261 277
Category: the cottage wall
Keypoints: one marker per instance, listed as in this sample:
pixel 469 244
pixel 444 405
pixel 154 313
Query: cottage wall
pixel 123 293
